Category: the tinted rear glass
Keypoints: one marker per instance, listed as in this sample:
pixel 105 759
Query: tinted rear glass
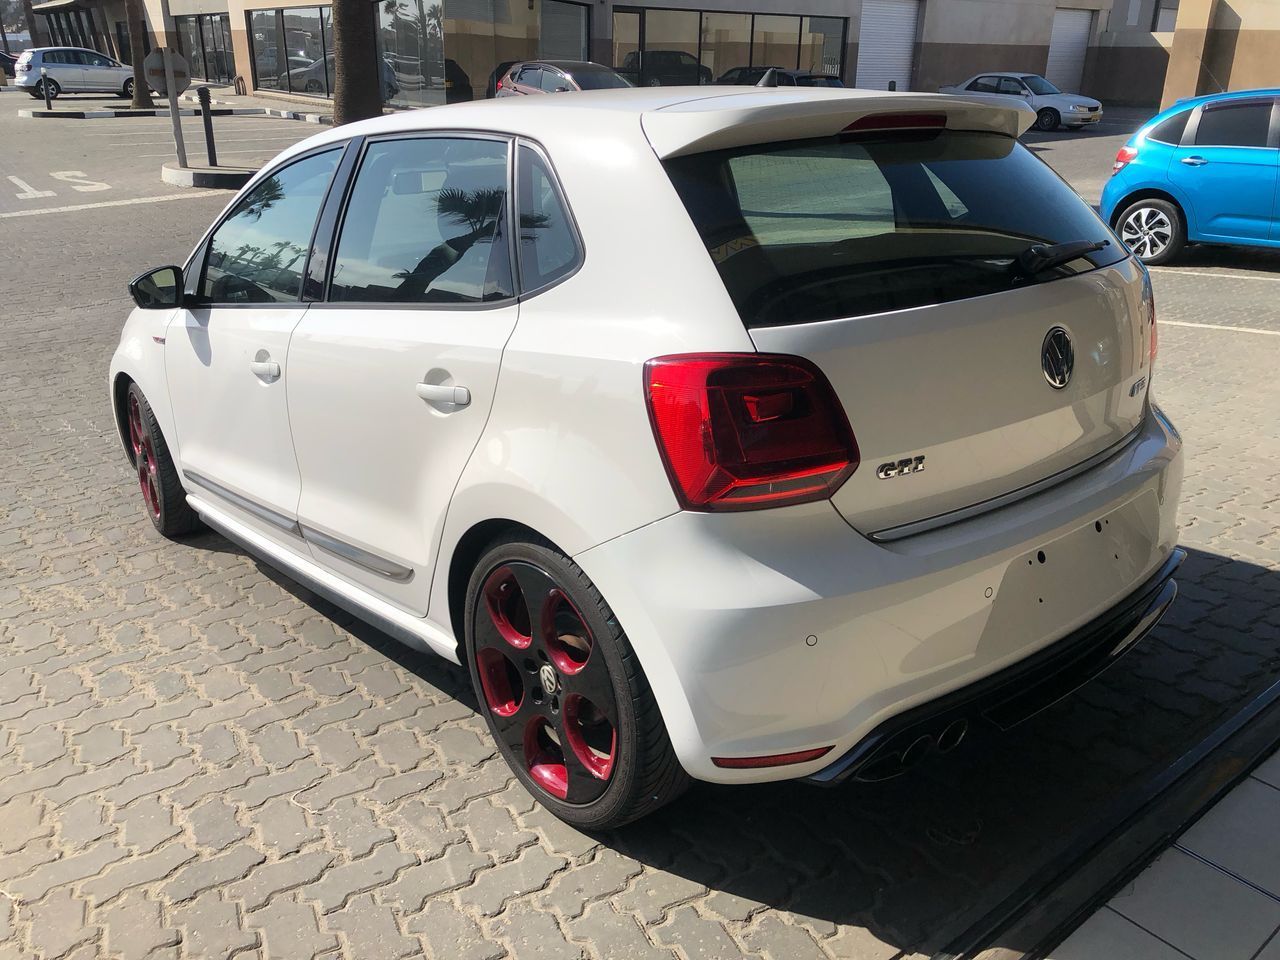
pixel 1170 130
pixel 1235 125
pixel 597 79
pixel 839 227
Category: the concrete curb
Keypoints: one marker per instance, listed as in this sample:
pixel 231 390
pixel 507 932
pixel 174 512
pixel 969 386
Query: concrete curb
pixel 323 119
pixel 216 178
pixel 107 114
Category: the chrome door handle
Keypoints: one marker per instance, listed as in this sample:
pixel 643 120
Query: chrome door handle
pixel 1194 161
pixel 443 393
pixel 267 369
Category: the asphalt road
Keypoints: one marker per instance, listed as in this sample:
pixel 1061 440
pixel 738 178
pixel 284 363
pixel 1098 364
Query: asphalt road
pixel 199 759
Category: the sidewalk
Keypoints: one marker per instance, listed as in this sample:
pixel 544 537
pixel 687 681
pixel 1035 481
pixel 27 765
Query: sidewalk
pixel 1213 895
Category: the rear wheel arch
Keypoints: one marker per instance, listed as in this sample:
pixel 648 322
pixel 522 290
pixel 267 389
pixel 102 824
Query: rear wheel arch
pixel 466 554
pixel 1146 194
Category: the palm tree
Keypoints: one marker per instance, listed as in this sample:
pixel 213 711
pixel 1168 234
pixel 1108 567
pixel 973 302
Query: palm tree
pixel 137 52
pixel 357 88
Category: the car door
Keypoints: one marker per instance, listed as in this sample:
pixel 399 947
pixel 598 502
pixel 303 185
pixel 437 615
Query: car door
pixel 65 67
pixel 100 72
pixel 392 377
pixel 1227 166
pixel 225 355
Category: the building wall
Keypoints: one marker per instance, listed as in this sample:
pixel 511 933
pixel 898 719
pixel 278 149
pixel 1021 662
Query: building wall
pixel 1129 61
pixel 959 38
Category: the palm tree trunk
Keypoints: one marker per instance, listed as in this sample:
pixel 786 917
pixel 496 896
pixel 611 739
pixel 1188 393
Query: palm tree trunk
pixel 357 92
pixel 38 37
pixel 141 92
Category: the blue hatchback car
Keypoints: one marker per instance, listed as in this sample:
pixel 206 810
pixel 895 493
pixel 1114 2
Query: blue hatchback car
pixel 1203 171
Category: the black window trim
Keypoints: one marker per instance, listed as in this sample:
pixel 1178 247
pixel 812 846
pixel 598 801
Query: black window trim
pixel 1193 124
pixel 340 201
pixel 581 258
pixel 199 256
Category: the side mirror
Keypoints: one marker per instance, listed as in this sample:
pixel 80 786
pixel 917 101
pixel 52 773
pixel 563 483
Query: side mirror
pixel 158 289
pixel 562 89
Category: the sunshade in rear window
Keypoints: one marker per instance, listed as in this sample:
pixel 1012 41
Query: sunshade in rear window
pixel 847 226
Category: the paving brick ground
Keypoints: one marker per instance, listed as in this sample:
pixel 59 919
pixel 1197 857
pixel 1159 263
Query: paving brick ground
pixel 197 759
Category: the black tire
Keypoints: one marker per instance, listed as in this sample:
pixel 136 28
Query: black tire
pixel 54 89
pixel 162 494
pixel 1048 120
pixel 644 773
pixel 1153 218
pixel 34 94
pixel 126 92
pixel 313 86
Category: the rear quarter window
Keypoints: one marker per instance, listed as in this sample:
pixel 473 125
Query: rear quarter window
pixel 839 227
pixel 1170 129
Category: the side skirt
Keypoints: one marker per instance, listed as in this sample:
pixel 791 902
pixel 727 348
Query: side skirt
pixel 415 632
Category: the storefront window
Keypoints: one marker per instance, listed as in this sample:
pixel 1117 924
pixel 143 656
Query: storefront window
pixel 726 43
pixel 626 44
pixel 205 42
pixel 267 41
pixel 775 42
pixel 822 45
pixel 304 71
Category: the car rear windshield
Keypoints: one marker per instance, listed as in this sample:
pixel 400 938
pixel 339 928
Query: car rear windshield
pixel 818 229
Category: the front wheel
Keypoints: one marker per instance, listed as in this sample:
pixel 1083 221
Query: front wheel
pixel 162 495
pixel 562 691
pixel 1154 230
pixel 126 92
pixel 1048 120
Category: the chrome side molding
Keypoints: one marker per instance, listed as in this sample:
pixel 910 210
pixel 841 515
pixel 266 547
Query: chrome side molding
pixel 265 514
pixel 357 555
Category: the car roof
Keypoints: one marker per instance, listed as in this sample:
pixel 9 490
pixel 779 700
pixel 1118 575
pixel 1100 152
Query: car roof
pixel 1228 95
pixel 85 49
pixel 675 120
pixel 1016 74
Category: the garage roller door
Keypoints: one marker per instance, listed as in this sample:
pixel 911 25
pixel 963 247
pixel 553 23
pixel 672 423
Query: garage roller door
pixel 887 43
pixel 1067 47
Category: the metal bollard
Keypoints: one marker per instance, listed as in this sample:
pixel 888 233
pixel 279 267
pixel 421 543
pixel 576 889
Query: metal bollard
pixel 202 94
pixel 44 85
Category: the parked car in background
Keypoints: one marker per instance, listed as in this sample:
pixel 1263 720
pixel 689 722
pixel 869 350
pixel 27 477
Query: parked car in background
pixel 7 63
pixel 72 70
pixel 557 76
pixel 664 68
pixel 1203 171
pixel 750 76
pixel 498 72
pixel 312 78
pixel 686 530
pixel 1053 107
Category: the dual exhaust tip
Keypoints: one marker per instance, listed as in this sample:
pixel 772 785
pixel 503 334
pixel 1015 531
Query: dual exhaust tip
pixel 897 762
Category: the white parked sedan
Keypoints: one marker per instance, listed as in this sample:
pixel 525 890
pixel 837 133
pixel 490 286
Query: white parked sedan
pixel 729 434
pixel 71 70
pixel 1053 107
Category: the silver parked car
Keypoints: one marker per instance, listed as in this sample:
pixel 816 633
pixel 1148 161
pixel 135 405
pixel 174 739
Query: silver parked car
pixel 72 70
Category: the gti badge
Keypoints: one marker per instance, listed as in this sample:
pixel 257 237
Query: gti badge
pixel 1057 357
pixel 899 468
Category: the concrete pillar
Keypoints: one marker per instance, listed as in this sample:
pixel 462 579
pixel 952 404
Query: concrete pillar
pixel 1187 76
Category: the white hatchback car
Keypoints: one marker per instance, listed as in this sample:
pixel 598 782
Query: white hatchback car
pixel 71 70
pixel 1053 107
pixel 725 434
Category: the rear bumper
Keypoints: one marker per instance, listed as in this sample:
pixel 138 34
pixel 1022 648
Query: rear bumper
pixel 1016 693
pixel 780 631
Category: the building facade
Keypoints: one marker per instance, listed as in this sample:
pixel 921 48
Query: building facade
pixel 441 51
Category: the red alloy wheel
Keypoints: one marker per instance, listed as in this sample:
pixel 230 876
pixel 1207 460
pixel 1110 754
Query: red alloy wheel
pixel 545 684
pixel 144 458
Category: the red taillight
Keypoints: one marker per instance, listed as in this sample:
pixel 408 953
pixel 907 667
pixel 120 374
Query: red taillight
pixel 897 121
pixel 499 87
pixel 738 431
pixel 1123 156
pixel 773 760
pixel 24 67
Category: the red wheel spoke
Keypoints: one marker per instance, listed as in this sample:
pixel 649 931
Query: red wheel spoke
pixel 589 746
pixel 592 683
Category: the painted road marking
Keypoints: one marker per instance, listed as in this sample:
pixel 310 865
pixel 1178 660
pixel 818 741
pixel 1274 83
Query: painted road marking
pixel 1174 272
pixel 217 141
pixel 116 203
pixel 1216 326
pixel 79 182
pixel 269 151
pixel 28 192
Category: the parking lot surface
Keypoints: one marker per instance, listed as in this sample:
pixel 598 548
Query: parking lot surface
pixel 199 759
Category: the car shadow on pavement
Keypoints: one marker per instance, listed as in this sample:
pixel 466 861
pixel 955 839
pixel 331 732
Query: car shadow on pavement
pixel 1203 255
pixel 913 863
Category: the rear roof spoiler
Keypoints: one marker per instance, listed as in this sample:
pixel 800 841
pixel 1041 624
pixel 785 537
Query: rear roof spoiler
pixel 768 115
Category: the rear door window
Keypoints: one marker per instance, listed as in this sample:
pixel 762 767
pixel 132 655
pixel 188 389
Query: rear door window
pixel 425 224
pixel 839 227
pixel 1235 125
pixel 984 85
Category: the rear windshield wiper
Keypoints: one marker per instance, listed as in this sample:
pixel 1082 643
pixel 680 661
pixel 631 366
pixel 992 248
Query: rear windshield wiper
pixel 1041 257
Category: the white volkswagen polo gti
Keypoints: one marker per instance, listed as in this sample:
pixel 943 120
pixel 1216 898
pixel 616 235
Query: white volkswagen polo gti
pixel 722 434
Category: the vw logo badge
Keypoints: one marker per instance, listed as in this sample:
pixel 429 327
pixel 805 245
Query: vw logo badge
pixel 547 675
pixel 1057 357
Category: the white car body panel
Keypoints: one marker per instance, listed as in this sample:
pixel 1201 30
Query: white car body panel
pixel 558 439
pixel 1065 103
pixel 75 78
